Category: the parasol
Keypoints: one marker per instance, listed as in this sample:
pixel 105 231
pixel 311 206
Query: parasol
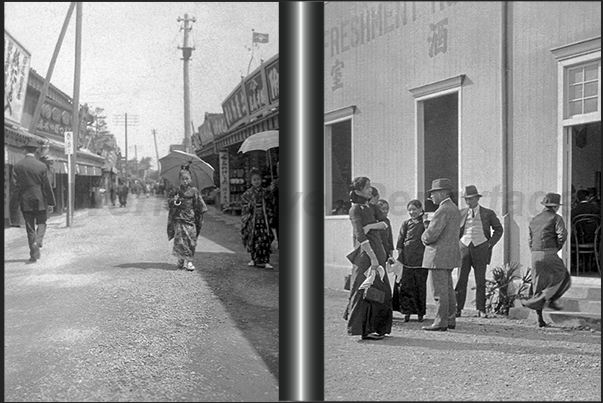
pixel 262 141
pixel 202 174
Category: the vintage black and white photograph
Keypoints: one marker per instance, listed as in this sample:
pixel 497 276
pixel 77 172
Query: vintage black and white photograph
pixel 462 172
pixel 141 194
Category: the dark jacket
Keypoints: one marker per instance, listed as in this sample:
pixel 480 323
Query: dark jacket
pixel 32 186
pixel 409 242
pixel 547 231
pixel 489 222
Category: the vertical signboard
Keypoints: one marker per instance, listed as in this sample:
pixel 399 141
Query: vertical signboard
pixel 224 178
pixel 16 74
pixel 69 143
pixel 256 96
pixel 235 107
pixel 272 81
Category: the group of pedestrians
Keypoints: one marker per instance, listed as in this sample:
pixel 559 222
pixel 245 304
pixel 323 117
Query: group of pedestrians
pixel 431 249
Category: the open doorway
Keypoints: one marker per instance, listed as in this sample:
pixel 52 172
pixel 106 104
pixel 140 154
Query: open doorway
pixel 585 174
pixel 440 140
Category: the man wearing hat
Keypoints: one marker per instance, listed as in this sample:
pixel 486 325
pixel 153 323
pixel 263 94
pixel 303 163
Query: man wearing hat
pixel 34 193
pixel 480 231
pixel 442 254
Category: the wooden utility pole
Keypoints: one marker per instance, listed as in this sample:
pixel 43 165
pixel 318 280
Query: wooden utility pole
pixel 156 149
pixel 133 122
pixel 75 114
pixel 53 60
pixel 187 50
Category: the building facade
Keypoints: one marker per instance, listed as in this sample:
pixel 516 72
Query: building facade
pixel 501 95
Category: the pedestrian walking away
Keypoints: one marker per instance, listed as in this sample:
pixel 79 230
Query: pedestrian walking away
pixel 34 193
pixel 185 219
pixel 368 318
pixel 550 277
pixel 442 253
pixel 480 231
pixel 122 193
pixel 257 221
pixel 410 291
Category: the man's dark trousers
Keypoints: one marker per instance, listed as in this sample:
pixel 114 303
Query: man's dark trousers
pixel 476 257
pixel 35 236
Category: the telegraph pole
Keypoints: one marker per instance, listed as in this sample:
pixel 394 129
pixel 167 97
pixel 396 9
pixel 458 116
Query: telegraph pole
pixel 119 119
pixel 187 50
pixel 156 149
pixel 75 114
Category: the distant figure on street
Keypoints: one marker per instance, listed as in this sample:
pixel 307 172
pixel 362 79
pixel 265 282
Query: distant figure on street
pixel 442 253
pixel 36 200
pixel 256 221
pixel 185 218
pixel 112 194
pixel 480 231
pixel 368 318
pixel 410 293
pixel 122 193
pixel 550 277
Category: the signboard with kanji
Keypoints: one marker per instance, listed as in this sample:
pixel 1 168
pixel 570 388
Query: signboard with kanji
pixel 272 74
pixel 16 73
pixel 256 97
pixel 224 178
pixel 235 107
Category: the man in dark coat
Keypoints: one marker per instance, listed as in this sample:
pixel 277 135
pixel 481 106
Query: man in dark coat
pixel 480 231
pixel 34 193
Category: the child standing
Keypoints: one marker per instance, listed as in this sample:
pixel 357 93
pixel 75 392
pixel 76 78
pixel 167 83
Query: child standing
pixel 185 217
pixel 257 220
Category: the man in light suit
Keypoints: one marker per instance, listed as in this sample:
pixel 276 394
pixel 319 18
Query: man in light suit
pixel 480 231
pixel 34 193
pixel 442 254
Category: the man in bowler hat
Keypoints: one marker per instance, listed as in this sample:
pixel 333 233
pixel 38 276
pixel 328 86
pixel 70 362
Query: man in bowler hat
pixel 35 197
pixel 442 254
pixel 480 231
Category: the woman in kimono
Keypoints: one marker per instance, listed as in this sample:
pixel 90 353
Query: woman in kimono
pixel 550 277
pixel 257 221
pixel 368 319
pixel 410 292
pixel 185 218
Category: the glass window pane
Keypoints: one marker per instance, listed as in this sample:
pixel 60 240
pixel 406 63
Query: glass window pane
pixel 575 92
pixel 590 105
pixel 575 108
pixel 341 168
pixel 591 89
pixel 575 76
pixel 591 72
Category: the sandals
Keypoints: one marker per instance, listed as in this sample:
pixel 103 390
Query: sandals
pixel 373 336
pixel 189 266
pixel 251 263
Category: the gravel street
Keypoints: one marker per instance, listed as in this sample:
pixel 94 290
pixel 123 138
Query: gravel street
pixel 483 359
pixel 104 315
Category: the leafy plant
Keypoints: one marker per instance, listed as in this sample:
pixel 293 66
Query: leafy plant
pixel 501 292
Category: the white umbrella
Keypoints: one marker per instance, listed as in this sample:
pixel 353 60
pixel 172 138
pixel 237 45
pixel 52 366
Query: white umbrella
pixel 262 141
pixel 201 172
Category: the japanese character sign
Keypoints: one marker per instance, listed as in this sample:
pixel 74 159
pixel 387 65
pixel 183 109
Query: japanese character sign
pixel 224 178
pixel 16 74
pixel 336 74
pixel 438 38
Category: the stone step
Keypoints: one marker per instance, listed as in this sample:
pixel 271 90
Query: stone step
pixel 583 292
pixel 559 318
pixel 580 305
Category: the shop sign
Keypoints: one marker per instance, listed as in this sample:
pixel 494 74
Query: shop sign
pixel 224 178
pixel 272 76
pixel 256 97
pixel 69 143
pixel 235 107
pixel 16 74
pixel 213 126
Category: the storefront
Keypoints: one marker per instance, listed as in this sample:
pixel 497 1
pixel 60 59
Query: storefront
pixel 252 107
pixel 501 95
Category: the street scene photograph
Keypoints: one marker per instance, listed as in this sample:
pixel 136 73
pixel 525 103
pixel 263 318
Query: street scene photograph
pixel 141 194
pixel 462 215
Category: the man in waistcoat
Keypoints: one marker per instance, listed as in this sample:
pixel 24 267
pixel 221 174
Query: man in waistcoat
pixel 480 231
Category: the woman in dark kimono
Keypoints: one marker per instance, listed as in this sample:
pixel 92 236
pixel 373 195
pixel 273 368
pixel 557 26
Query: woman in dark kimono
pixel 368 319
pixel 410 291
pixel 257 221
pixel 185 217
pixel 550 277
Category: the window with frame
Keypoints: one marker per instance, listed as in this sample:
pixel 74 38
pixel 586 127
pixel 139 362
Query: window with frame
pixel 583 83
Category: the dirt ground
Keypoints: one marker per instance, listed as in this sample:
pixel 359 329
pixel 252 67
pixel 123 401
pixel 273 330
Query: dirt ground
pixel 483 359
pixel 105 316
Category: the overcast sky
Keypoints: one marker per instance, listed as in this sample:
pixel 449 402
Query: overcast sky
pixel 131 62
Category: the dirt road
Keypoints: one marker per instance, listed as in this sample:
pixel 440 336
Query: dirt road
pixel 105 316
